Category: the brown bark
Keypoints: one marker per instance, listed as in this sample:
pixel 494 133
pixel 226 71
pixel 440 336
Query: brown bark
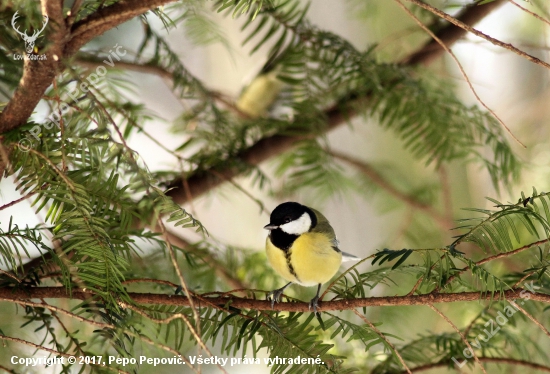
pixel 9 293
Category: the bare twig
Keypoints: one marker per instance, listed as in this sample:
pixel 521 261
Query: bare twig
pixel 220 268
pixel 476 32
pixel 383 337
pixel 12 203
pixel 533 319
pixel 459 333
pixel 471 15
pixel 531 13
pixel 380 181
pixel 448 50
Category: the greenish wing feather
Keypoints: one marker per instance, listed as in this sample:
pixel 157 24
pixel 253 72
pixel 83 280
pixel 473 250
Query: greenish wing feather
pixel 323 226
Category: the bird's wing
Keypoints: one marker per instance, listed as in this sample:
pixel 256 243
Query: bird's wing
pixel 323 226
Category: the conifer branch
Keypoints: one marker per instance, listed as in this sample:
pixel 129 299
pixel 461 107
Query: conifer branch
pixel 335 116
pixel 38 75
pixel 107 18
pixel 15 294
pixel 54 309
pixel 94 62
pixel 497 256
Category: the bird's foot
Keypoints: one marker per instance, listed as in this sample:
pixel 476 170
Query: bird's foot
pixel 275 295
pixel 314 303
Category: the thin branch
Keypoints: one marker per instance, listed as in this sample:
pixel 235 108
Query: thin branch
pixel 531 13
pixel 183 283
pixel 55 309
pixel 11 293
pixel 10 275
pixel 245 192
pixel 380 181
pixel 67 333
pixel 470 15
pixel 71 14
pixel 93 62
pixel 383 337
pixel 459 333
pixel 17 200
pixel 476 32
pixel 533 319
pixel 497 256
pixel 221 269
pixel 448 50
pixel 422 277
pixel 59 310
pixel 173 317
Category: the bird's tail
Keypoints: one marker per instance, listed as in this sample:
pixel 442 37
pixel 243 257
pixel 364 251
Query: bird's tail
pixel 349 257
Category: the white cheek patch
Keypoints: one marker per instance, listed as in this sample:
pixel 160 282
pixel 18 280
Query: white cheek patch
pixel 299 226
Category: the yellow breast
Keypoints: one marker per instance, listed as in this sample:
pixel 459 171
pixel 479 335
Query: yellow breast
pixel 311 258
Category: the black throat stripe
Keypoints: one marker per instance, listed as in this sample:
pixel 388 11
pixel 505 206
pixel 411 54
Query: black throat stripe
pixel 284 241
pixel 281 239
pixel 288 254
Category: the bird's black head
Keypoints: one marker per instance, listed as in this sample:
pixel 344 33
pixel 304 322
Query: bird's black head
pixel 292 218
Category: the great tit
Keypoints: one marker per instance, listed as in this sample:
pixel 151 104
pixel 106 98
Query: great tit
pixel 302 248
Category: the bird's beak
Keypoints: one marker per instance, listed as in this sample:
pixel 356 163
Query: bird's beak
pixel 269 226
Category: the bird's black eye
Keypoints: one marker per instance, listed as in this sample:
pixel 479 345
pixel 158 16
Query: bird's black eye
pixel 287 219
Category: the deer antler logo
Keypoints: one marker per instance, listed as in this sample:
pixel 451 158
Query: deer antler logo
pixel 29 39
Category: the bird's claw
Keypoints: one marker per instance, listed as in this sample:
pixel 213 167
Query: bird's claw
pixel 314 303
pixel 275 296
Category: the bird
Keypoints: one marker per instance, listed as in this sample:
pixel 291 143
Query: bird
pixel 302 248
